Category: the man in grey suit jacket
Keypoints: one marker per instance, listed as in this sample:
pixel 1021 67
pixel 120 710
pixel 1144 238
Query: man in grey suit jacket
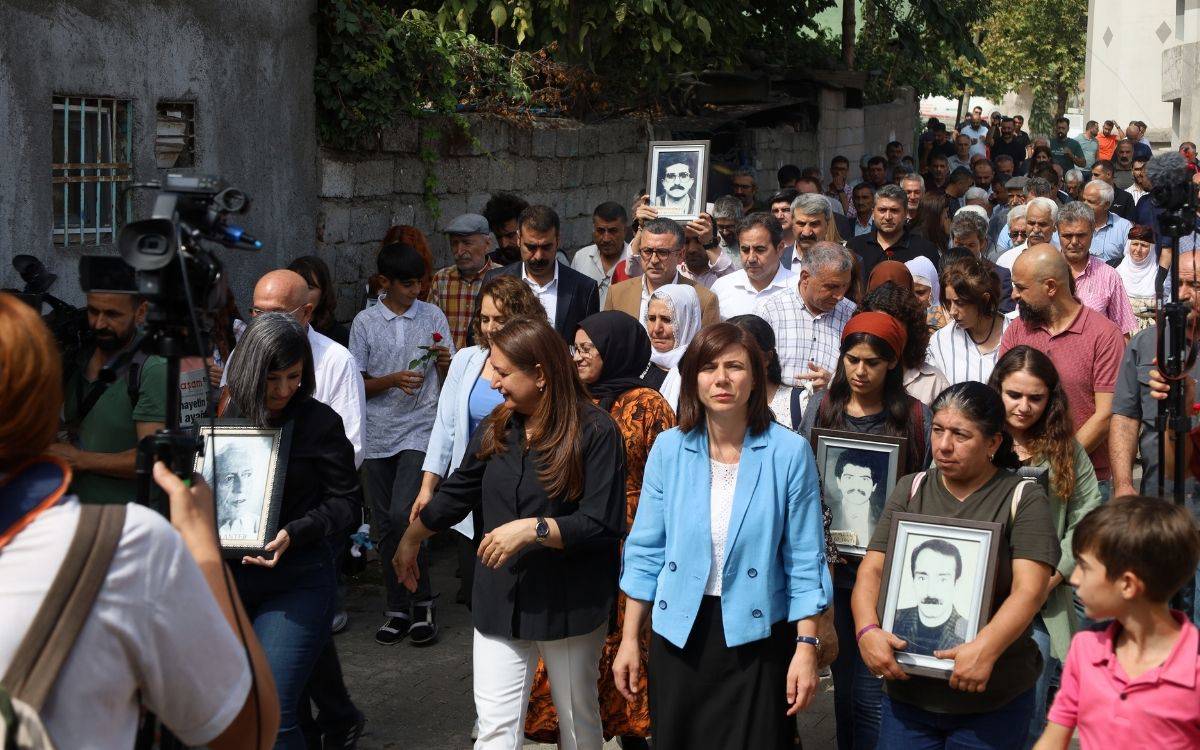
pixel 567 295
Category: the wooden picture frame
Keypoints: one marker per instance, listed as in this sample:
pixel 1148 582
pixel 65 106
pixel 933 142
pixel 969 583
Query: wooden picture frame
pixel 882 460
pixel 923 553
pixel 675 197
pixel 250 465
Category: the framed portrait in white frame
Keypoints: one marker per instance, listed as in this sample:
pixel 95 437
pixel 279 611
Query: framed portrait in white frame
pixel 245 466
pixel 677 178
pixel 858 472
pixel 938 581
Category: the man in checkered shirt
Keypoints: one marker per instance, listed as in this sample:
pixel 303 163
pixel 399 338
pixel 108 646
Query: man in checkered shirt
pixel 455 287
pixel 809 316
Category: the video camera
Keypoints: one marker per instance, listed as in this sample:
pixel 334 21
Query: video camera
pixel 67 323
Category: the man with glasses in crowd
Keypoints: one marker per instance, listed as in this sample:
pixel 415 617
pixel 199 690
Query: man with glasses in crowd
pixel 659 243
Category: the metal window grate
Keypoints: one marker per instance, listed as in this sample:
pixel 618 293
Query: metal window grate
pixel 92 157
pixel 175 135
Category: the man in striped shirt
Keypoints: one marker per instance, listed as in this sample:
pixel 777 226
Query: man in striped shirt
pixel 808 317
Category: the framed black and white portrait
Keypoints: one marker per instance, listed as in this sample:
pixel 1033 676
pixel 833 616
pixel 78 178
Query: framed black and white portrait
pixel 858 473
pixel 938 581
pixel 677 175
pixel 245 466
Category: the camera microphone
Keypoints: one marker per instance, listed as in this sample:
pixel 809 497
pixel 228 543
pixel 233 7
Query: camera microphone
pixel 235 237
pixel 1171 180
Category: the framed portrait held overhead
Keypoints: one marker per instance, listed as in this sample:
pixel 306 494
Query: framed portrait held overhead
pixel 245 466
pixel 677 178
pixel 939 577
pixel 858 472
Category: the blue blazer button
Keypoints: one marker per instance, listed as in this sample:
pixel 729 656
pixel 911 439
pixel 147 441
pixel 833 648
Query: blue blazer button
pixel 663 605
pixel 752 573
pixel 671 567
pixel 757 613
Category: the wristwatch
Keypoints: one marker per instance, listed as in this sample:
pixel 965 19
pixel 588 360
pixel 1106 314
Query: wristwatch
pixel 542 529
pixel 710 246
pixel 811 640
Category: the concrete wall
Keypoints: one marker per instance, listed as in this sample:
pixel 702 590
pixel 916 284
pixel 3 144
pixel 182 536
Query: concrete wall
pixel 246 63
pixel 1124 62
pixel 854 133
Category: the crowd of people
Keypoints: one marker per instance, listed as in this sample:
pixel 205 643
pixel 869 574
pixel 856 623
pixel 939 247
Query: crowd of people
pixel 621 445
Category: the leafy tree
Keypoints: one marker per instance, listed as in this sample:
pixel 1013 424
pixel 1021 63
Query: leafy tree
pixel 1023 43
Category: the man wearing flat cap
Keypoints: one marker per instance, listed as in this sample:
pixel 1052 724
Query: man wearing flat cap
pixel 455 287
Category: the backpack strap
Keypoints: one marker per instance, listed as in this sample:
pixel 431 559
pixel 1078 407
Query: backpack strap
pixel 797 411
pixel 64 611
pixel 916 484
pixel 1018 493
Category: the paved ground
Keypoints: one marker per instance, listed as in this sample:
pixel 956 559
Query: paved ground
pixel 421 697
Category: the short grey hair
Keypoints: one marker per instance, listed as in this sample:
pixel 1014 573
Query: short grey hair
pixel 1044 204
pixel 975 193
pixel 663 225
pixel 892 193
pixel 969 222
pixel 1016 212
pixel 272 341
pixel 1107 194
pixel 913 177
pixel 1075 212
pixel 826 256
pixel 1073 174
pixel 1039 187
pixel 811 204
pixel 727 207
pixel 746 173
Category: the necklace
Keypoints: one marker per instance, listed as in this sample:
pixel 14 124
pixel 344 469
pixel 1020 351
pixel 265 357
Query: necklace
pixel 991 330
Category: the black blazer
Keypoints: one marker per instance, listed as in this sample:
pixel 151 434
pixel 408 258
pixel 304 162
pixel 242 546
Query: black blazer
pixel 542 594
pixel 578 297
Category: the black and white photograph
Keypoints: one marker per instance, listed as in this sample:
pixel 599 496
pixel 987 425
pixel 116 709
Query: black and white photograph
pixel 245 466
pixel 678 178
pixel 858 473
pixel 938 583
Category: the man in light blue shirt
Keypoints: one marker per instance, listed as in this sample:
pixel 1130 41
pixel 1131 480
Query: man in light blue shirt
pixel 1108 241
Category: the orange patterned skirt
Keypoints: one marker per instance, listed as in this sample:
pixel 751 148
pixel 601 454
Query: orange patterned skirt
pixel 620 717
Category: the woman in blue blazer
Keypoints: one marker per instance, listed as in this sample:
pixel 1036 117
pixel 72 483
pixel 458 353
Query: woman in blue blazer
pixel 467 399
pixel 727 555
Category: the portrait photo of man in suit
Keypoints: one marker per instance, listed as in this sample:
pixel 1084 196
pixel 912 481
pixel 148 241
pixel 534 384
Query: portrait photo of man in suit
pixel 856 491
pixel 675 193
pixel 933 624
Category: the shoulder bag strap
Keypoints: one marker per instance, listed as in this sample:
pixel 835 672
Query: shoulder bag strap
pixel 916 485
pixel 64 611
pixel 1018 493
pixel 797 412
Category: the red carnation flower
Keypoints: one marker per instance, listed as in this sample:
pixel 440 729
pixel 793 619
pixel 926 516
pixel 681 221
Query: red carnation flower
pixel 437 337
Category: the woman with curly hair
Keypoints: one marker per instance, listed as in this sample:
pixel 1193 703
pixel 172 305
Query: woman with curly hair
pixel 1037 418
pixel 922 380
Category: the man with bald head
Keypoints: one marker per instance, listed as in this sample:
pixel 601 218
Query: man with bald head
pixel 338 382
pixel 1085 346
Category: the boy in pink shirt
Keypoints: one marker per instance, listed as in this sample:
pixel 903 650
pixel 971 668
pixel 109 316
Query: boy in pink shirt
pixel 1137 683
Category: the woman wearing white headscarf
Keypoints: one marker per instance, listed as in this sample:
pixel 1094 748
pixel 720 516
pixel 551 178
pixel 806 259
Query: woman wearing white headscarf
pixel 928 290
pixel 1139 272
pixel 672 320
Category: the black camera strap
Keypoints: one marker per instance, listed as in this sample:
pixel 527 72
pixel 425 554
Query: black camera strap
pixel 111 372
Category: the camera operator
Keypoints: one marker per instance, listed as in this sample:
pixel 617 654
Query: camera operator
pixel 114 395
pixel 163 626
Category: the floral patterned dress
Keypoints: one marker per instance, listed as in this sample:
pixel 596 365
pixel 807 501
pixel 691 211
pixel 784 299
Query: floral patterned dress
pixel 641 414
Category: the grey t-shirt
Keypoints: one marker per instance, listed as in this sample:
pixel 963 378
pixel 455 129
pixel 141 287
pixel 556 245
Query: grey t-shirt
pixel 1028 536
pixel 1132 399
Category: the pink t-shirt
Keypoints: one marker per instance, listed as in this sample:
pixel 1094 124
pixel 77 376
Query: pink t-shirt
pixel 1100 288
pixel 1159 709
pixel 1087 356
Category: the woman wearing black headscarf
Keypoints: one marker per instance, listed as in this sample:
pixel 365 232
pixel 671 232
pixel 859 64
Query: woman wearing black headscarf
pixel 611 351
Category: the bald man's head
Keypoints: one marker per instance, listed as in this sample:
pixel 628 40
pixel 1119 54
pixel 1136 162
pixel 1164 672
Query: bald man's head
pixel 1041 280
pixel 283 291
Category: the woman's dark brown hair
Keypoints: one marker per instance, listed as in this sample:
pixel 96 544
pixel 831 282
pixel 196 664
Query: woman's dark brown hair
pixel 30 383
pixel 975 282
pixel 514 298
pixel 903 305
pixel 1052 437
pixel 705 348
pixel 556 424
pixel 316 273
pixel 928 221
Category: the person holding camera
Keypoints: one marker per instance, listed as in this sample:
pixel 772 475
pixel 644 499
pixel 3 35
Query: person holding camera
pixel 163 627
pixel 114 395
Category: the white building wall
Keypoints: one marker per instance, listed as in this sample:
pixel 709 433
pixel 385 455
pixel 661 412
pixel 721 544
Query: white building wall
pixel 1125 42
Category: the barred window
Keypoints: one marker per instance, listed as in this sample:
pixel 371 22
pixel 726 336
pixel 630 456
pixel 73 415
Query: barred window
pixel 92 160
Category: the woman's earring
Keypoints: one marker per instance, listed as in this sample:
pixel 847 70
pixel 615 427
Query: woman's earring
pixel 991 456
pixel 542 388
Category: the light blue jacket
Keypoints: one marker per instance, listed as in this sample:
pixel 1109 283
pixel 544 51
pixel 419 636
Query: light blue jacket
pixel 775 566
pixel 451 429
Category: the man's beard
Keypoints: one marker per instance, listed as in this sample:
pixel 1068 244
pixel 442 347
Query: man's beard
pixel 107 341
pixel 1032 315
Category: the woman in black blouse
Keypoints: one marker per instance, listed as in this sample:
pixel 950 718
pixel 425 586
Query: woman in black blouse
pixel 290 594
pixel 545 475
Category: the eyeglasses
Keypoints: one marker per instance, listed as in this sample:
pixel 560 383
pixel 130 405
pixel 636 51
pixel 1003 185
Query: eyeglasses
pixel 649 252
pixel 1015 234
pixel 679 176
pixel 256 311
pixel 583 350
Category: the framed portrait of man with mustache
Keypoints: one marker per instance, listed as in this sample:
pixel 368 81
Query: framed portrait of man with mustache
pixel 858 472
pixel 938 582
pixel 677 178
pixel 246 467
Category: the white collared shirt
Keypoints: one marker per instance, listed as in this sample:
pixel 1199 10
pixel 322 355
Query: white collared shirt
pixel 547 295
pixel 737 296
pixel 587 261
pixel 646 296
pixel 339 385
